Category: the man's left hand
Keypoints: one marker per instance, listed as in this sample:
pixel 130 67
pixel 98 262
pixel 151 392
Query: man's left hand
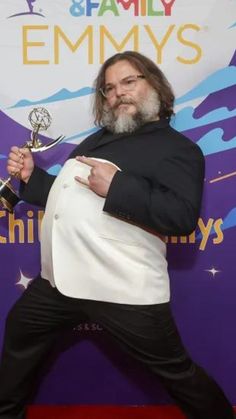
pixel 101 175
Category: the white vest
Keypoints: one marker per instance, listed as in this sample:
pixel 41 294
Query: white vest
pixel 87 253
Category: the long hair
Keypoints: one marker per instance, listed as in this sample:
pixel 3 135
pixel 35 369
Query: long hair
pixel 153 75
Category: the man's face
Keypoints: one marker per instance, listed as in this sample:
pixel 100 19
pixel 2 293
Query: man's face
pixel 120 71
pixel 128 104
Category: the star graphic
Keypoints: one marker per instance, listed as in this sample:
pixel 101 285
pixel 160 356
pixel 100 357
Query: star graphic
pixel 213 271
pixel 24 280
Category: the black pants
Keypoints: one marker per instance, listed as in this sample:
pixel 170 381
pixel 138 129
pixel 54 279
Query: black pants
pixel 148 333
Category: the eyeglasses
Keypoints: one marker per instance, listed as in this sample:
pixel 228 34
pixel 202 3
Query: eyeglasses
pixel 127 84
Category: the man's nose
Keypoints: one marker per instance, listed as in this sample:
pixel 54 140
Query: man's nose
pixel 119 90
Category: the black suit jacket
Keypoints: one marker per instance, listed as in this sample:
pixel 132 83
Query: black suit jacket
pixel 160 183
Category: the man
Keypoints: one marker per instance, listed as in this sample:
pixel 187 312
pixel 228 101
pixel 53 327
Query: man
pixel 102 244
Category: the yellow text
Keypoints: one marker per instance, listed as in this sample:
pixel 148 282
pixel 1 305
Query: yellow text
pixel 101 38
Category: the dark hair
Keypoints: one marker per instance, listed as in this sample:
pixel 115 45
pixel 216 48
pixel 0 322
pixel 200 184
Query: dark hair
pixel 152 73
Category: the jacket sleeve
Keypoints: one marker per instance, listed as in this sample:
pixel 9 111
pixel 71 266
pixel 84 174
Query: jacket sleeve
pixel 169 201
pixel 37 189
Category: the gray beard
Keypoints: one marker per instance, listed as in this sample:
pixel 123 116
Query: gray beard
pixel 147 110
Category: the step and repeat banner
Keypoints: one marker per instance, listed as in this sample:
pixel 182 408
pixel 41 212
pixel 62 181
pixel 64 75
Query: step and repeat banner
pixel 50 54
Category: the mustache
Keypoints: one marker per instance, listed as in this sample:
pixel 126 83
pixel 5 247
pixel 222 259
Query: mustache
pixel 123 101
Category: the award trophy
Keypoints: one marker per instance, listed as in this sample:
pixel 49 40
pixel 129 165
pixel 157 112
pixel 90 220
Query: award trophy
pixel 40 120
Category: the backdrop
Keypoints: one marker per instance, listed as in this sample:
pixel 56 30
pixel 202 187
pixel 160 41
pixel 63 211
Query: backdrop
pixel 50 53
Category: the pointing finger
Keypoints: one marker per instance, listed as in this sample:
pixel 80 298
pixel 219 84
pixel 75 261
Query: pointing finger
pixel 87 160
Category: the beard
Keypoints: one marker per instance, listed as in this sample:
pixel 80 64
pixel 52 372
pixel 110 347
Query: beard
pixel 147 109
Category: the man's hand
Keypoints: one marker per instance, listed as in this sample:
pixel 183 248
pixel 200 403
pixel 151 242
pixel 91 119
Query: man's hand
pixel 20 163
pixel 101 175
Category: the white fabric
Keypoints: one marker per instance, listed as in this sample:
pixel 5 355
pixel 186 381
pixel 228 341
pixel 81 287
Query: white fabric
pixel 87 253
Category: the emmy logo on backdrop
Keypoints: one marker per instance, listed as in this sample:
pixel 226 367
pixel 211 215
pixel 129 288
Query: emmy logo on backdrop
pixel 40 120
pixel 30 10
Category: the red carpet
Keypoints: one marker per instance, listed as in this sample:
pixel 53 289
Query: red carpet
pixel 104 412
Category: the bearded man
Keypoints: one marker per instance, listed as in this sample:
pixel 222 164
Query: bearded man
pixel 103 252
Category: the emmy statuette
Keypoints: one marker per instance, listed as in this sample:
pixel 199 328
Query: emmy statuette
pixel 40 120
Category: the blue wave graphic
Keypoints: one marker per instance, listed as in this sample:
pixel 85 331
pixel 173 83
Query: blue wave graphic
pixel 54 170
pixel 81 134
pixel 232 26
pixel 62 95
pixel 230 220
pixel 219 80
pixel 213 142
pixel 184 119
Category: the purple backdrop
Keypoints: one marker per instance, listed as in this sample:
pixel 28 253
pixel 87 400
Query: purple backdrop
pixel 87 367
